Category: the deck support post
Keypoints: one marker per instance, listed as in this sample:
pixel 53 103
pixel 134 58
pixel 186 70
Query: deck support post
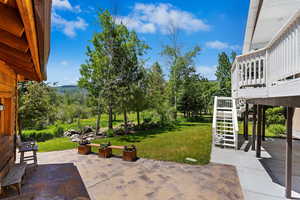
pixel 264 123
pixel 259 130
pixel 254 127
pixel 246 122
pixel 289 151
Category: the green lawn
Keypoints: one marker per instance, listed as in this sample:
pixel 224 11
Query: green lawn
pixel 186 140
pixel 241 130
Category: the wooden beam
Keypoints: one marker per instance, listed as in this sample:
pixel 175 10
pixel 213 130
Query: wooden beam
pixel 14 55
pixel 289 152
pixel 12 23
pixel 11 3
pixel 246 117
pixel 13 41
pixel 254 127
pixel 42 10
pixel 290 101
pixel 259 125
pixel 27 73
pixel 27 14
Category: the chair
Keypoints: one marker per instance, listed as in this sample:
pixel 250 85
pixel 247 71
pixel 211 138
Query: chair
pixel 24 147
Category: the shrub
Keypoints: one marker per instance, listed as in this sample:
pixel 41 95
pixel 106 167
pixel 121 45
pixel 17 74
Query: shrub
pixel 277 129
pixel 58 131
pixel 110 133
pixel 275 116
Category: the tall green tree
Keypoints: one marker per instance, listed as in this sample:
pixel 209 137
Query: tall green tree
pixel 37 105
pixel 223 73
pixel 157 91
pixel 180 63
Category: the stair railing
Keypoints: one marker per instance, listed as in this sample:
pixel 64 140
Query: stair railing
pixel 214 125
pixel 235 123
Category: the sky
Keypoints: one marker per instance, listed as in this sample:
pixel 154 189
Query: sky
pixel 214 25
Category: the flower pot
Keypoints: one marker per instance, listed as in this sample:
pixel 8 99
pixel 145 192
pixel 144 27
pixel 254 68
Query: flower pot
pixel 84 149
pixel 129 155
pixel 105 152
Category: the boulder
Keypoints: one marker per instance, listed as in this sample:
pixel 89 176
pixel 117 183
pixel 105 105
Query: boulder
pixel 87 129
pixel 75 140
pixel 74 136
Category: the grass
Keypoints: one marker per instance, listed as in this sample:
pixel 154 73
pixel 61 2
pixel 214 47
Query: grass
pixel 250 126
pixel 185 140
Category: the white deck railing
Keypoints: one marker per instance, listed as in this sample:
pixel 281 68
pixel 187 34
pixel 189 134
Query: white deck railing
pixel 278 62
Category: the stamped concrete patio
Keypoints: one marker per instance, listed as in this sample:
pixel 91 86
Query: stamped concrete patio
pixel 145 179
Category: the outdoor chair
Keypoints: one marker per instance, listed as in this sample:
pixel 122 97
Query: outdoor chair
pixel 24 147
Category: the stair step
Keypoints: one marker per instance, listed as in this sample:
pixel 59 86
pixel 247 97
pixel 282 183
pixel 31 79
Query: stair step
pixel 229 140
pixel 227 131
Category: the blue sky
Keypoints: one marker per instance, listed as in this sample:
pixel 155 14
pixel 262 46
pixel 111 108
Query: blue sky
pixel 215 25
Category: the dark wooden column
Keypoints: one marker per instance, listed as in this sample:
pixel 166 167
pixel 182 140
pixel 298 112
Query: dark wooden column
pixel 246 116
pixel 264 123
pixel 254 127
pixel 289 151
pixel 259 131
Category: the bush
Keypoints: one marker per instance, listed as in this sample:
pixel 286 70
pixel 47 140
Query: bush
pixel 277 129
pixel 275 116
pixel 110 133
pixel 39 136
pixel 58 131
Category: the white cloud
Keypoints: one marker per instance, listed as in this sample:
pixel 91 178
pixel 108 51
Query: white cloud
pixel 65 5
pixel 149 18
pixel 68 27
pixel 64 62
pixel 207 71
pixel 221 45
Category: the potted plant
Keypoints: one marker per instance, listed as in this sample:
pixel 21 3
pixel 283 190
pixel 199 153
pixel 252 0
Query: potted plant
pixel 129 153
pixel 83 147
pixel 105 151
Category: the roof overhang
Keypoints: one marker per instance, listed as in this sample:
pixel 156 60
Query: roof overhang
pixel 25 36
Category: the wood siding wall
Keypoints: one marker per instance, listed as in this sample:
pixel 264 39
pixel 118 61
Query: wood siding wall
pixel 8 97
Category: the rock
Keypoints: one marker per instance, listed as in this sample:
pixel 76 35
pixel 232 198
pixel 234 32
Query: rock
pixel 191 159
pixel 87 129
pixel 90 138
pixel 73 132
pixel 67 134
pixel 91 135
pixel 75 140
pixel 74 136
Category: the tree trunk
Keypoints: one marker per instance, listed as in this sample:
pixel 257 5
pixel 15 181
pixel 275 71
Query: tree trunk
pixel 98 123
pixel 110 119
pixel 115 116
pixel 125 121
pixel 138 117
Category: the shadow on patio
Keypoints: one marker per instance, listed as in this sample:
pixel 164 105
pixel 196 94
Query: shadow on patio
pixel 51 182
pixel 275 166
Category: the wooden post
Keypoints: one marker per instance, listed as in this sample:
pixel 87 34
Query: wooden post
pixel 264 123
pixel 246 122
pixel 289 151
pixel 254 127
pixel 259 127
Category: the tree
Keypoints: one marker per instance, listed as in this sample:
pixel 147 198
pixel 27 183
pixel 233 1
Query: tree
pixel 113 65
pixel 223 73
pixel 37 105
pixel 180 65
pixel 139 98
pixel 156 93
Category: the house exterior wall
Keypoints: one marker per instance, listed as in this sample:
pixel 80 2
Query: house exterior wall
pixel 8 97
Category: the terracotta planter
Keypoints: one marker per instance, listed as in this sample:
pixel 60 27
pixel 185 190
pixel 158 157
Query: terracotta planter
pixel 129 155
pixel 84 149
pixel 105 152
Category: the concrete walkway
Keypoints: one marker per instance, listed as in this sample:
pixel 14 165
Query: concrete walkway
pixel 256 183
pixel 141 180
